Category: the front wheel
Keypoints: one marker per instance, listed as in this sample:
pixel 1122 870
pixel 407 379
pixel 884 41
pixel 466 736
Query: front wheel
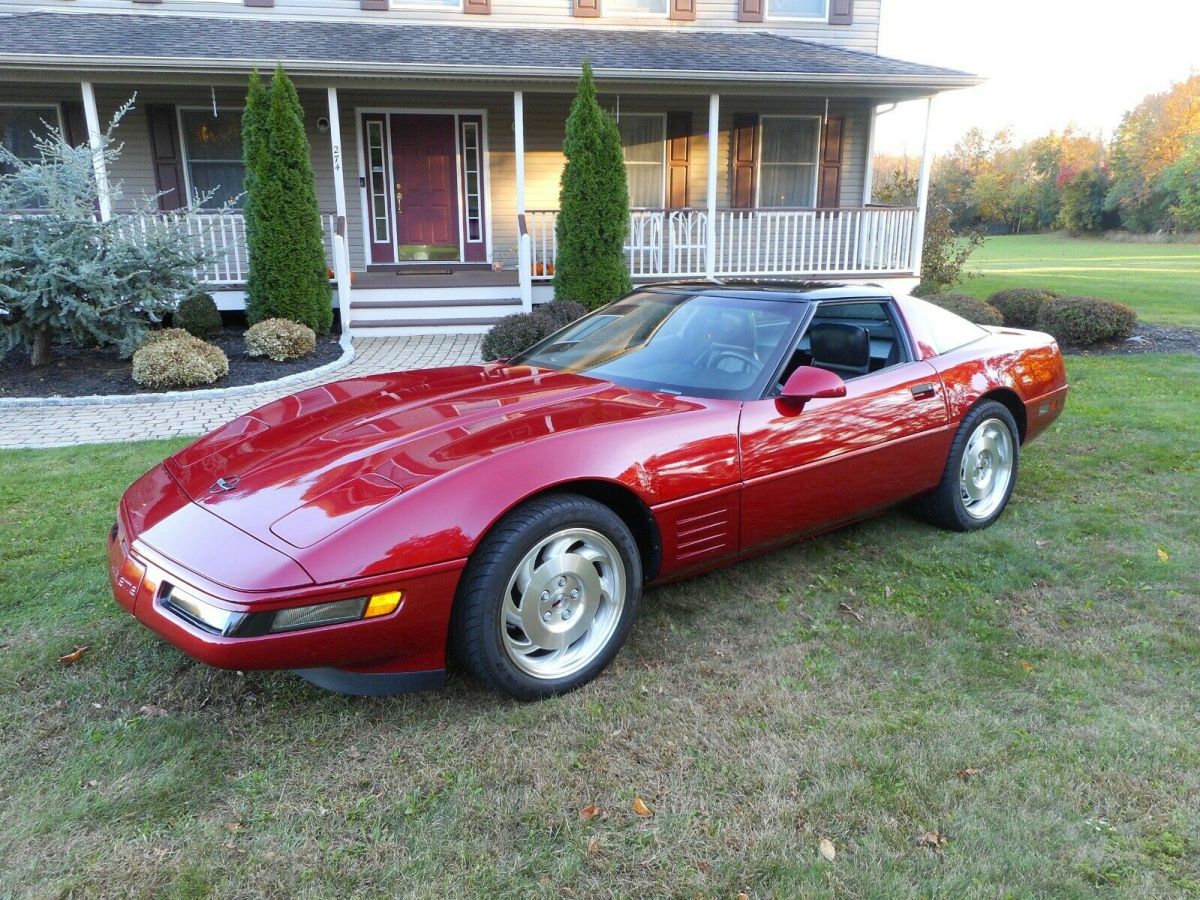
pixel 548 598
pixel 980 472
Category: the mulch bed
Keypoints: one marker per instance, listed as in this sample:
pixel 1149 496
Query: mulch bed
pixel 1148 339
pixel 80 372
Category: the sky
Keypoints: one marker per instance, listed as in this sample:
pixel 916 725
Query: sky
pixel 1049 63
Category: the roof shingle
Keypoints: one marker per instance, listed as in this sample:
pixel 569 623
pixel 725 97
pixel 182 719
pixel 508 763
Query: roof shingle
pixel 70 40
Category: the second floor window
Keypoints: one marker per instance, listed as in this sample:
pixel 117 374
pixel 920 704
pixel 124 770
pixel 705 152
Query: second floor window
pixel 798 9
pixel 642 139
pixel 212 146
pixel 635 7
pixel 788 161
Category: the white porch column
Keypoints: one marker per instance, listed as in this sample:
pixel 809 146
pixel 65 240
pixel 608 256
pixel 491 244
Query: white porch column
pixel 524 243
pixel 341 247
pixel 869 175
pixel 95 139
pixel 519 147
pixel 710 238
pixel 918 236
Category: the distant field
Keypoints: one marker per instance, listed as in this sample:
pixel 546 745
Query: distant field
pixel 1160 281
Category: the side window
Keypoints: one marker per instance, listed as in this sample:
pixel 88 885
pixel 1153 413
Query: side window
pixel 850 339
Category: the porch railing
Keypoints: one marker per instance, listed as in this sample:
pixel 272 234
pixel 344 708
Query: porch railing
pixel 752 242
pixel 221 236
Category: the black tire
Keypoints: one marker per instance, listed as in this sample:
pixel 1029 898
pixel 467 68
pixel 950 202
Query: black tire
pixel 476 631
pixel 945 506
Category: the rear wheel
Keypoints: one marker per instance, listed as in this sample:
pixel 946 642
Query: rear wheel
pixel 980 472
pixel 548 598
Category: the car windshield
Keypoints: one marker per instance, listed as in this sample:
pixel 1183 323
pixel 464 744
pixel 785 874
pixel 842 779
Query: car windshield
pixel 699 345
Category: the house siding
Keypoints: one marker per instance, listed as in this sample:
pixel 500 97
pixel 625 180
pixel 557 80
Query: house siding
pixel 863 34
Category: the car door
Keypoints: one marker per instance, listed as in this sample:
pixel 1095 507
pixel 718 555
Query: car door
pixel 805 469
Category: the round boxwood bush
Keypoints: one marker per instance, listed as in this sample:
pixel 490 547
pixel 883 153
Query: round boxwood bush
pixel 970 308
pixel 1021 307
pixel 515 333
pixel 280 340
pixel 179 361
pixel 1083 321
pixel 162 334
pixel 197 315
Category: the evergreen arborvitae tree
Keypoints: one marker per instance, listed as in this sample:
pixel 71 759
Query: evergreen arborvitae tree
pixel 593 218
pixel 291 280
pixel 254 152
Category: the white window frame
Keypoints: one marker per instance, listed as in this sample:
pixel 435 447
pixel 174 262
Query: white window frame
pixel 823 17
pixel 662 194
pixel 183 153
pixel 816 163
pixel 425 5
pixel 609 12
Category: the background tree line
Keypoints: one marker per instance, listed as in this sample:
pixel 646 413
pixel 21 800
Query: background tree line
pixel 1147 179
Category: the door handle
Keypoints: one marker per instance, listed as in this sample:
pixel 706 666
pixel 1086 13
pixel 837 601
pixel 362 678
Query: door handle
pixel 399 197
pixel 924 390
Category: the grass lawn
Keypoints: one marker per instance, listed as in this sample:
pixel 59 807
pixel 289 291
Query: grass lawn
pixel 1160 281
pixel 1056 653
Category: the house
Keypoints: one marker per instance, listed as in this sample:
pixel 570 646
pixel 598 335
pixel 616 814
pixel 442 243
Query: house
pixel 437 126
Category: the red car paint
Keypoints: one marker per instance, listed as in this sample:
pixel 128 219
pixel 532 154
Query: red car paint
pixel 389 482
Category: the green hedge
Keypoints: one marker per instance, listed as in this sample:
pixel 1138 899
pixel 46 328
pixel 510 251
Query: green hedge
pixel 970 308
pixel 197 314
pixel 519 332
pixel 1084 321
pixel 1021 307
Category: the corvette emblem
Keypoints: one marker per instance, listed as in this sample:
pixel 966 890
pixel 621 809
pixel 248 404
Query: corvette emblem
pixel 224 484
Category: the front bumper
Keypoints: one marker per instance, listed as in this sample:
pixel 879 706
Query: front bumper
pixel 366 656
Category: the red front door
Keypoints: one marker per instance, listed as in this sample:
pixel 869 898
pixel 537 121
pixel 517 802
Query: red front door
pixel 425 162
pixel 413 190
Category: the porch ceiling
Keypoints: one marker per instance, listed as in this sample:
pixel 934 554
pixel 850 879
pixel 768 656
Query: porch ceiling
pixel 171 43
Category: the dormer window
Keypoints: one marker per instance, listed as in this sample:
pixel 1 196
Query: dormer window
pixel 817 10
pixel 619 8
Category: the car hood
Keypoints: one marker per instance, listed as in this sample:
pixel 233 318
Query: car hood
pixel 302 468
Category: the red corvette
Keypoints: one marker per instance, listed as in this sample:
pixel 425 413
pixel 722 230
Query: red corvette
pixel 514 512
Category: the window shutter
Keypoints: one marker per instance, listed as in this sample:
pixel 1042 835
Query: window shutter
pixel 679 152
pixel 841 12
pixel 587 9
pixel 751 10
pixel 164 147
pixel 477 7
pixel 831 162
pixel 743 160
pixel 683 10
pixel 263 4
pixel 373 4
pixel 74 123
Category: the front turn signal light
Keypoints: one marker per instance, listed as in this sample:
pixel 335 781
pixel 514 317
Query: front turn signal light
pixel 382 604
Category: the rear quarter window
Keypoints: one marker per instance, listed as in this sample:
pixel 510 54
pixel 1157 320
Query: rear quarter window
pixel 944 329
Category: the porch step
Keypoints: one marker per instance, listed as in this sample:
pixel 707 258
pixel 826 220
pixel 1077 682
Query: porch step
pixel 432 304
pixel 406 327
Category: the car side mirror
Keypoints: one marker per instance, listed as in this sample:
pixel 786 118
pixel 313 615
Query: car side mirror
pixel 810 383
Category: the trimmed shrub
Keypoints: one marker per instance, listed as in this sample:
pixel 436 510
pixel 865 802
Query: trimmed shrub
pixel 197 314
pixel 1021 307
pixel 162 334
pixel 1083 321
pixel 178 362
pixel 280 340
pixel 970 308
pixel 593 217
pixel 512 334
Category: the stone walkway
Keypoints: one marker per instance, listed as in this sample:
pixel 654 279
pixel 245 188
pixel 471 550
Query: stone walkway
pixel 136 418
